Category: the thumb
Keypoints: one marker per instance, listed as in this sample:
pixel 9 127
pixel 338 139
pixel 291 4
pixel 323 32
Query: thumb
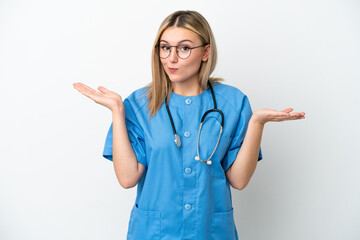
pixel 287 110
pixel 103 90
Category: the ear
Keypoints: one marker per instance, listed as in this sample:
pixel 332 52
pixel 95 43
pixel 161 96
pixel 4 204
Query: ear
pixel 206 54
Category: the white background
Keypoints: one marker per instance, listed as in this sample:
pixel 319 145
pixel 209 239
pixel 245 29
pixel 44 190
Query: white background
pixel 304 54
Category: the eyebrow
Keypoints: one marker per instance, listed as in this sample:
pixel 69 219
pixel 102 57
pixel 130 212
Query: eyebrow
pixel 178 42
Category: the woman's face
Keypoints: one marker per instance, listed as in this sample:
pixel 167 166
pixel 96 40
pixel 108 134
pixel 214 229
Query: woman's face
pixel 187 69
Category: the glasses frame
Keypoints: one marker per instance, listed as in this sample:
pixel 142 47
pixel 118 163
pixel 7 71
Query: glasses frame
pixel 157 49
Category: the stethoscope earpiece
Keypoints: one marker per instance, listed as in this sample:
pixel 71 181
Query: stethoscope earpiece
pixel 209 162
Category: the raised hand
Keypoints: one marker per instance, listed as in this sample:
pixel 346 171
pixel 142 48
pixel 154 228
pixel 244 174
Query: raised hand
pixel 105 97
pixel 268 115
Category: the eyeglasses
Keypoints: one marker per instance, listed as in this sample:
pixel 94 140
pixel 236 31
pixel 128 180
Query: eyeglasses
pixel 183 51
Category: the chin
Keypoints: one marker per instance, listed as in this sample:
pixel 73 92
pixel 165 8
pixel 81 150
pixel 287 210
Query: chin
pixel 176 79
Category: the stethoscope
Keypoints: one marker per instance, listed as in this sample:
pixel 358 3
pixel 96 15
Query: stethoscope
pixel 177 138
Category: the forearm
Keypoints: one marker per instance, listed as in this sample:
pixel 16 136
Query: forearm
pixel 124 158
pixel 246 160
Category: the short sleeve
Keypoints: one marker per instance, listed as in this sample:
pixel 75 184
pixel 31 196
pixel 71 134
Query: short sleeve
pixel 135 133
pixel 239 135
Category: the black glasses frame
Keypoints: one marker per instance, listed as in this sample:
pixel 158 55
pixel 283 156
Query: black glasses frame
pixel 177 52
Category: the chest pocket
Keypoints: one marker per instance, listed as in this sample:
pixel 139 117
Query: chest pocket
pixel 207 144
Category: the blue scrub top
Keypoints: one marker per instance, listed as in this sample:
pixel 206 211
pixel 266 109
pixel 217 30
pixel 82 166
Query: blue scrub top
pixel 177 196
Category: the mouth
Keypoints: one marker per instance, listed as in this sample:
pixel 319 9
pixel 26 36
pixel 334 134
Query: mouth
pixel 173 69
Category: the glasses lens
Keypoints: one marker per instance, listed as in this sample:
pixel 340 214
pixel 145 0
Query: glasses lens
pixel 163 51
pixel 183 51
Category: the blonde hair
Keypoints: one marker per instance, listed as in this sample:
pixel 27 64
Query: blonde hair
pixel 161 86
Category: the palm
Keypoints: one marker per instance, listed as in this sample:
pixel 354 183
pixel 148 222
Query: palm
pixel 269 115
pixel 105 97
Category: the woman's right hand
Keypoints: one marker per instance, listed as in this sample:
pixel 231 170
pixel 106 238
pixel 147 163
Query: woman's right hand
pixel 105 97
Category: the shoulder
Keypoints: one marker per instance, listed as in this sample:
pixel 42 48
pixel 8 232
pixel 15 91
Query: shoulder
pixel 229 94
pixel 137 100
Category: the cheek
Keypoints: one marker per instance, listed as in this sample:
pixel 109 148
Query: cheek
pixel 193 64
pixel 163 62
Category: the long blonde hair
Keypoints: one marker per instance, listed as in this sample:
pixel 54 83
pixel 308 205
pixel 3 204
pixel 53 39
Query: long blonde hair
pixel 161 86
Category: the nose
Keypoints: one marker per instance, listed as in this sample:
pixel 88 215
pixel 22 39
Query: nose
pixel 173 55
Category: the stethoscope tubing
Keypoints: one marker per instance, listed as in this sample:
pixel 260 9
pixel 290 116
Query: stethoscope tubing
pixel 177 139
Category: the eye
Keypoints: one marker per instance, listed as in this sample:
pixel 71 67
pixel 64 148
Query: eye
pixel 184 48
pixel 164 47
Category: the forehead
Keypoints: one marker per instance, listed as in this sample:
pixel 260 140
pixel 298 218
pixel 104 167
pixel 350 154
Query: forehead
pixel 174 35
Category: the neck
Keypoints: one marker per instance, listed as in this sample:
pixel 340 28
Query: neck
pixel 190 87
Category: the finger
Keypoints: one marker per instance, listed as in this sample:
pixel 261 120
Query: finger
pixel 296 116
pixel 87 93
pixel 79 84
pixel 300 113
pixel 89 90
pixel 83 86
pixel 287 110
pixel 103 89
pixel 282 114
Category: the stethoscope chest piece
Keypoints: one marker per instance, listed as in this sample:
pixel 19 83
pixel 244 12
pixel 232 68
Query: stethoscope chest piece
pixel 177 140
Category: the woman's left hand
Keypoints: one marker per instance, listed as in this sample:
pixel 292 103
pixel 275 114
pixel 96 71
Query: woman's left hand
pixel 268 115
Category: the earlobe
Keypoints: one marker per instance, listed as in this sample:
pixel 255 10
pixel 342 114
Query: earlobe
pixel 205 58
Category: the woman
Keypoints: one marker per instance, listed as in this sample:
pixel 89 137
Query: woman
pixel 183 168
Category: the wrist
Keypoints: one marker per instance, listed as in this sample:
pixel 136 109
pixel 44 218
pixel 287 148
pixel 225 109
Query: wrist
pixel 255 121
pixel 117 110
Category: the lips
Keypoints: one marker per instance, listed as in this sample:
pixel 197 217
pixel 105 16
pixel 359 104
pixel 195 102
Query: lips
pixel 173 69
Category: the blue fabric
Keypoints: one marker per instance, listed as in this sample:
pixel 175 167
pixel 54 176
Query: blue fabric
pixel 177 196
